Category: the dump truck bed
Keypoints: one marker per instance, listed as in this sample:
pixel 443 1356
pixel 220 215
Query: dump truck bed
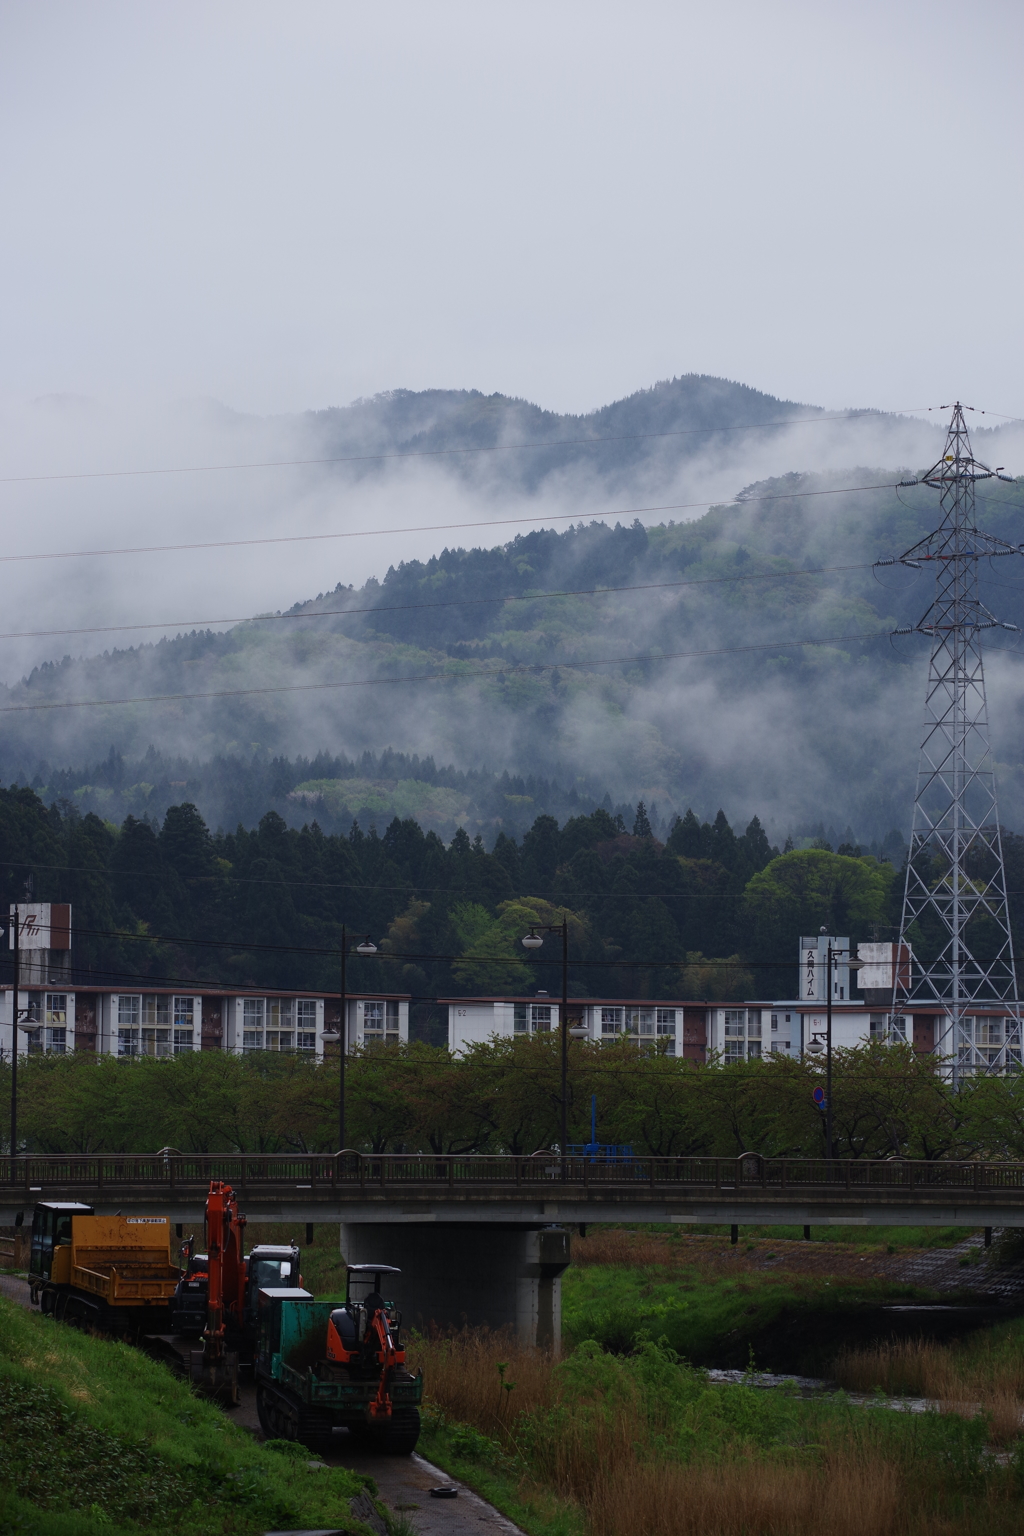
pixel 124 1261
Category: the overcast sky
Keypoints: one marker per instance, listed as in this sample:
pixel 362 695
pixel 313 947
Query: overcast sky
pixel 294 204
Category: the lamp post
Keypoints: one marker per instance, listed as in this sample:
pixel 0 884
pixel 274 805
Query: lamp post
pixel 17 1015
pixel 833 958
pixel 534 940
pixel 365 946
pixel 14 1038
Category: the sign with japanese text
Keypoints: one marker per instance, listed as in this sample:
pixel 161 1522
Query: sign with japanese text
pixel 41 925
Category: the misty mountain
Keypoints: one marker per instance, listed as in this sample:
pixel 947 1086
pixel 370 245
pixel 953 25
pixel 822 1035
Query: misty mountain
pixel 694 425
pixel 608 660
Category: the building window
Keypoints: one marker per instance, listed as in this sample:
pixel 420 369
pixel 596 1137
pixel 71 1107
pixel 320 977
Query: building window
pixel 640 1023
pixel 611 1021
pixel 988 1030
pixel 742 1037
pixel 380 1023
pixel 989 1037
pixel 667 1030
pixel 530 1017
pixel 280 1035
pixel 887 1026
pixel 156 1010
pixel 184 1025
pixel 128 1025
pixel 253 1013
pixel 55 1022
pixel 305 1024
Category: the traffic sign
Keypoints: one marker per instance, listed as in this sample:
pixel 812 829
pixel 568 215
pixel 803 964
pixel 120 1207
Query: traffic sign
pixel 819 1097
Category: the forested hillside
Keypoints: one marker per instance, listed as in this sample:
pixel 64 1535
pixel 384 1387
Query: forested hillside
pixel 594 663
pixel 713 912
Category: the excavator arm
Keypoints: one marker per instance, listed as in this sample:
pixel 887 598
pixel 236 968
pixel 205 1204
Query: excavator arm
pixel 214 1368
pixel 380 1328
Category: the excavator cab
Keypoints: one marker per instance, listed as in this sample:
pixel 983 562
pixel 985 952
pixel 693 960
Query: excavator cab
pixel 268 1267
pixel 352 1338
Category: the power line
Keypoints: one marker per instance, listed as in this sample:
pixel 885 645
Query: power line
pixel 492 673
pixel 403 958
pixel 431 453
pixel 468 602
pixel 367 533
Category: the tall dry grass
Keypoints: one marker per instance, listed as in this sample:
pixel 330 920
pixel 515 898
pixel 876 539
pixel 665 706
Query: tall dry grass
pixel 618 1246
pixel 463 1381
pixel 749 1498
pixel 609 1465
pixel 985 1376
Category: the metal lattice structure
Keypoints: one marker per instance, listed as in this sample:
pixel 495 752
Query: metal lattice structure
pixel 955 913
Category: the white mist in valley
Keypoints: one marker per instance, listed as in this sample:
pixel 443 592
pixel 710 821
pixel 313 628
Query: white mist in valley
pixel 820 732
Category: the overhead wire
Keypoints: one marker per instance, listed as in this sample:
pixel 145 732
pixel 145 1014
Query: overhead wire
pixel 469 448
pixel 404 958
pixel 469 602
pixel 484 674
pixel 368 533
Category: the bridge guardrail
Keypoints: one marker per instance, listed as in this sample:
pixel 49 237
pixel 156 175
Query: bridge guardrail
pixel 330 1175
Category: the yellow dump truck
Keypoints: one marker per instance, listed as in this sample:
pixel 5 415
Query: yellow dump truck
pixel 112 1273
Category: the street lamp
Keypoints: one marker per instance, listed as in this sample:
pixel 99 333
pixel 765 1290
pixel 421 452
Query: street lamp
pixel 365 946
pixel 834 958
pixel 17 1015
pixel 534 940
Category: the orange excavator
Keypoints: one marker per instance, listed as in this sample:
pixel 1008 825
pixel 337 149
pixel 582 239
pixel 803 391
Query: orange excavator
pixel 216 1298
pixel 214 1368
pixel 377 1353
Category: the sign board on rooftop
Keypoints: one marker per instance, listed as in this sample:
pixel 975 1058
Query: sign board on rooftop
pixel 814 964
pixel 41 925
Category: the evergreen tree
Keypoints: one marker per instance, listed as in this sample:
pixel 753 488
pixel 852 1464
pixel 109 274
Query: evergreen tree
pixel 686 839
pixel 641 824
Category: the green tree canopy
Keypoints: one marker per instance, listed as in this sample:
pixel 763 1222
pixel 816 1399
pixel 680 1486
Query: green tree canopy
pixel 804 891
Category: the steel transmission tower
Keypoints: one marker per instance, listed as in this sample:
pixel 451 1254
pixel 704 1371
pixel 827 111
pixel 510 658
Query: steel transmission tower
pixel 955 914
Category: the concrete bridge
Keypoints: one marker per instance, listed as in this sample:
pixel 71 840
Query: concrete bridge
pixel 486 1239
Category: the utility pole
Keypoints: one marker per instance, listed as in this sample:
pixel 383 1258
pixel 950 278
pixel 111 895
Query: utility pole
pixel 828 1055
pixel 365 947
pixel 564 1021
pixel 955 871
pixel 14 1040
pixel 342 1040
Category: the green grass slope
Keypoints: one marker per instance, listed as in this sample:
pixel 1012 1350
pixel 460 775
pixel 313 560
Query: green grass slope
pixel 98 1440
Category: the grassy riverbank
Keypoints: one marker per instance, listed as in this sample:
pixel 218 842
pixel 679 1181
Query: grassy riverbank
pixel 611 1445
pixel 627 1434
pixel 717 1305
pixel 98 1440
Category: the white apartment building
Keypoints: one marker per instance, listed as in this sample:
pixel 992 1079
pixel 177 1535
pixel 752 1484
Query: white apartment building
pixel 166 1022
pixel 477 1019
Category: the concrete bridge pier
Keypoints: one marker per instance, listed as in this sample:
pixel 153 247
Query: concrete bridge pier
pixel 456 1274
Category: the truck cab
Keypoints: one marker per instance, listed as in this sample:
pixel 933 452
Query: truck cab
pixel 51 1228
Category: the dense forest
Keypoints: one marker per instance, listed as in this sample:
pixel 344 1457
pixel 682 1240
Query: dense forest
pixel 708 913
pixel 594 666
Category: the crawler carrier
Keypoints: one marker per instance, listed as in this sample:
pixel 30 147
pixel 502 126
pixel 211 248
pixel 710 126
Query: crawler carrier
pixel 319 1365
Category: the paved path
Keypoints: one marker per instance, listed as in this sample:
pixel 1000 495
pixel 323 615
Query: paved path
pixel 404 1483
pixel 14 1288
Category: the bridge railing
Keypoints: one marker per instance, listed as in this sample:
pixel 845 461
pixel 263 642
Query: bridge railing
pixel 326 1175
